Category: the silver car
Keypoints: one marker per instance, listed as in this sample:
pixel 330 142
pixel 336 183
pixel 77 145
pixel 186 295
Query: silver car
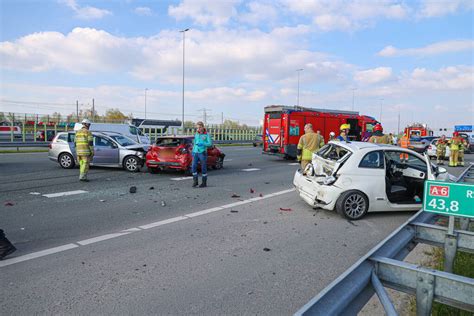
pixel 110 150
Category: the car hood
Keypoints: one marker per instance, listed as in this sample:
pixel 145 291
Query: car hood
pixel 138 147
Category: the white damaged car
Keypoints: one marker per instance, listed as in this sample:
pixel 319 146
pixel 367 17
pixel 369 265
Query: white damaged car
pixel 354 178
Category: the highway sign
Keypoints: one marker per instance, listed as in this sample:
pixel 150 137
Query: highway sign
pixel 463 128
pixel 447 198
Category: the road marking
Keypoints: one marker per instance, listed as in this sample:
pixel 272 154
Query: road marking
pixel 293 164
pixel 124 232
pixel 37 254
pixel 250 169
pixel 101 238
pixel 181 178
pixel 53 195
pixel 228 160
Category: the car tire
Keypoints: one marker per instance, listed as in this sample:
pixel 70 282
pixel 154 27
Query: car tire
pixel 352 205
pixel 131 163
pixel 66 161
pixel 219 163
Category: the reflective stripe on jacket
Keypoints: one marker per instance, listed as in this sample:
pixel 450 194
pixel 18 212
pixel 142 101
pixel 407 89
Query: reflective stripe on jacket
pixel 308 144
pixel 84 143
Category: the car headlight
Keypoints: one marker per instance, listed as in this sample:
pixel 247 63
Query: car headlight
pixel 329 180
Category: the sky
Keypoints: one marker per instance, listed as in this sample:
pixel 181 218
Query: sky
pixel 380 58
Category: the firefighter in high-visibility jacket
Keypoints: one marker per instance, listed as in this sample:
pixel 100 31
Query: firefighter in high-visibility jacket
pixel 454 145
pixel 84 149
pixel 378 137
pixel 404 142
pixel 344 132
pixel 441 145
pixel 462 147
pixel 309 143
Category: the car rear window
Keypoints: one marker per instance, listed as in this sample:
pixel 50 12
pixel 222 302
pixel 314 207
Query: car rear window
pixel 333 152
pixel 168 142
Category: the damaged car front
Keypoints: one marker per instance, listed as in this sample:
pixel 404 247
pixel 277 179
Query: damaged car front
pixel 318 184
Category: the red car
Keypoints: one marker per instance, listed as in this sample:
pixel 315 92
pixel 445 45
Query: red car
pixel 175 152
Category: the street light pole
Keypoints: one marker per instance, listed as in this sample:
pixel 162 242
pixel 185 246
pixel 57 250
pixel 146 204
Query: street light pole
pixel 381 102
pixel 146 89
pixel 182 116
pixel 298 94
pixel 353 92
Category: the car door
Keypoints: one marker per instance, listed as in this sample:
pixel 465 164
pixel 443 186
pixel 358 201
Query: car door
pixel 106 152
pixel 372 171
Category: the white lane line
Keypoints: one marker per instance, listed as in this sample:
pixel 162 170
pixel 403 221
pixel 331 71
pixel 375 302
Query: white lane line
pixel 101 238
pixel 53 195
pixel 293 164
pixel 228 160
pixel 124 232
pixel 250 169
pixel 181 178
pixel 164 222
pixel 37 254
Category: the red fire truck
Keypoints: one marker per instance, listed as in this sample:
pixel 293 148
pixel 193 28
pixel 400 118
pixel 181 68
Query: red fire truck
pixel 418 130
pixel 283 126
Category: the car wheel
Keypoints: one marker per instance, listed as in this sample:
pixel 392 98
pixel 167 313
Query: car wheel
pixel 219 163
pixel 352 205
pixel 131 163
pixel 66 161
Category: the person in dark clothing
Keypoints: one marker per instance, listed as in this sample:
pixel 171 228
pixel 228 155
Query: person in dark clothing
pixel 6 247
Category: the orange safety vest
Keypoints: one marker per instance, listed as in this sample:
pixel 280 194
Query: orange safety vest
pixel 404 142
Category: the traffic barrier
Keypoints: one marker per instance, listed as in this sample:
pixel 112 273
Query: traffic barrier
pixel 349 293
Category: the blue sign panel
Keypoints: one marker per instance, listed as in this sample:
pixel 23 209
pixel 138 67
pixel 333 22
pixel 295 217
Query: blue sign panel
pixel 463 128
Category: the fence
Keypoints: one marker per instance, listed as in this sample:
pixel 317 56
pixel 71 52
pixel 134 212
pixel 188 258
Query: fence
pixel 381 267
pixel 27 132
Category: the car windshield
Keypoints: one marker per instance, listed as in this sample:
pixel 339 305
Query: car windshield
pixel 122 140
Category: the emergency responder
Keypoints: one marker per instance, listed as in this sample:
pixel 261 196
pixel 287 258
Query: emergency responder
pixel 462 147
pixel 309 143
pixel 332 136
pixel 6 246
pixel 404 142
pixel 454 145
pixel 392 140
pixel 378 137
pixel 84 149
pixel 202 141
pixel 344 132
pixel 441 149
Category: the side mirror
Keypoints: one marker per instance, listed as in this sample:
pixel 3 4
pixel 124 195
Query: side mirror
pixel 114 145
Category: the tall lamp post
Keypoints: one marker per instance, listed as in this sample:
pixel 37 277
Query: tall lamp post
pixel 182 116
pixel 353 93
pixel 146 89
pixel 298 94
pixel 381 102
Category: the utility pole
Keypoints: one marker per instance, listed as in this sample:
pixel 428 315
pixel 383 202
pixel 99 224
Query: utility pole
pixel 77 110
pixel 298 94
pixel 184 38
pixel 204 115
pixel 146 89
pixel 381 102
pixel 222 118
pixel 353 93
pixel 398 129
pixel 93 110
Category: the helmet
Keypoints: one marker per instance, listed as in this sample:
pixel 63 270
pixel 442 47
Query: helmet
pixel 378 127
pixel 332 134
pixel 345 126
pixel 86 121
pixel 456 134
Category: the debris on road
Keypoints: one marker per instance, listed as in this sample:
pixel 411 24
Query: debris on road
pixel 266 249
pixel 250 165
pixel 260 195
pixel 235 195
pixel 9 203
pixel 252 190
pixel 234 211
pixel 352 223
pixel 133 189
pixel 265 222
pixel 151 188
pixel 163 203
pixel 102 200
pixel 267 182
pixel 286 209
pixel 35 193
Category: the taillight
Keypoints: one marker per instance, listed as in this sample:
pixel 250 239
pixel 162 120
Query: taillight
pixel 50 146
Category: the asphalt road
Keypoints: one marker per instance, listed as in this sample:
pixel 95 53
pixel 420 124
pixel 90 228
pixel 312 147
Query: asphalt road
pixel 107 251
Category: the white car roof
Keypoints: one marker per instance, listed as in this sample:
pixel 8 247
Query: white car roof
pixel 356 146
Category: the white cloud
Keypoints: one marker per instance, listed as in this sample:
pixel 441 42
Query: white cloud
pixel 146 11
pixel 205 12
pixel 437 8
pixel 453 46
pixel 259 12
pixel 372 76
pixel 331 15
pixel 447 78
pixel 87 12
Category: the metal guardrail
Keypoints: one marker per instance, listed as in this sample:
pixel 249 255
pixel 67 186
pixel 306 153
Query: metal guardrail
pixel 382 267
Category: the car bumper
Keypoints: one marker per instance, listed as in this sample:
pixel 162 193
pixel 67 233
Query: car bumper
pixel 315 194
pixel 165 164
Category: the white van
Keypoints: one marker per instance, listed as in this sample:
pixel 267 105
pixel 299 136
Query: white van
pixel 125 129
